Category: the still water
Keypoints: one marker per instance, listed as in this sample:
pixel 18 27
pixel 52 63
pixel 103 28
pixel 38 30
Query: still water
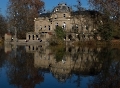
pixel 35 66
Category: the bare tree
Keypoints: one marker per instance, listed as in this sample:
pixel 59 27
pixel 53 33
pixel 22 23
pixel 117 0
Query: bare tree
pixel 21 14
pixel 111 7
pixel 3 25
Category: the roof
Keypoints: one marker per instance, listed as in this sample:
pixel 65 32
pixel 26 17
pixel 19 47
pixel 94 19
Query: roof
pixel 62 8
pixel 85 12
pixel 45 15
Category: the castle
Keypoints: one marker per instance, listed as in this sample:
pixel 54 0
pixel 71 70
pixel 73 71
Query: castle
pixel 78 25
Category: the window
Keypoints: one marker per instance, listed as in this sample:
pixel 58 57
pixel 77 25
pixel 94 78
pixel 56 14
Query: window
pixel 33 37
pixel 64 25
pixel 86 27
pixel 36 36
pixel 64 15
pixel 56 24
pixel 57 9
pixel 29 37
pixel 33 47
pixel 40 27
pixel 44 27
pixel 51 22
pixel 29 47
pixel 48 27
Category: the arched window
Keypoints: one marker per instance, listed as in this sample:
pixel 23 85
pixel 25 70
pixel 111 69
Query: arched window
pixel 33 37
pixel 64 25
pixel 29 37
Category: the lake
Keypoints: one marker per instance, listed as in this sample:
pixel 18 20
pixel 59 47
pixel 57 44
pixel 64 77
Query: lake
pixel 36 66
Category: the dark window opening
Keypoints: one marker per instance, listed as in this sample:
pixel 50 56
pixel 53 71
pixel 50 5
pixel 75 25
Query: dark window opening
pixel 33 37
pixel 70 49
pixel 56 24
pixel 49 27
pixel 29 37
pixel 70 37
pixel 33 47
pixel 29 47
pixel 36 48
pixel 51 22
pixel 63 15
pixel 37 36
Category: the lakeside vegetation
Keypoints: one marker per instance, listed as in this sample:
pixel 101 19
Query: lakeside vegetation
pixel 58 39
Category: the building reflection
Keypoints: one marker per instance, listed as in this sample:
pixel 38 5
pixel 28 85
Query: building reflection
pixel 30 63
pixel 21 71
pixel 74 59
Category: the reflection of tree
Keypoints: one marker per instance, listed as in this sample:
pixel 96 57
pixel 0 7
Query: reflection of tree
pixel 59 52
pixel 2 57
pixel 80 61
pixel 109 76
pixel 21 71
pixel 78 80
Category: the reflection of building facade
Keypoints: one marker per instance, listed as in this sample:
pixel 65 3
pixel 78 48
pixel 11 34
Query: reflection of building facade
pixel 77 25
pixel 76 59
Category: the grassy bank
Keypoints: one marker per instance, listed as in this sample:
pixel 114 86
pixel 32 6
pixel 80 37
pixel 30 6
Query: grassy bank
pixel 98 43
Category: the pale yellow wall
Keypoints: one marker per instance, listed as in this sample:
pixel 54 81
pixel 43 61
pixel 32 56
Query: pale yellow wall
pixel 84 23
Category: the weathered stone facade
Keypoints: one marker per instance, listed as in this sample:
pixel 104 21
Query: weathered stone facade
pixel 78 25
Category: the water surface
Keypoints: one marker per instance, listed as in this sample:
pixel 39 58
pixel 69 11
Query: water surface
pixel 37 66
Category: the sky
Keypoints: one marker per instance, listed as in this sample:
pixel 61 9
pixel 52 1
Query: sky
pixel 49 4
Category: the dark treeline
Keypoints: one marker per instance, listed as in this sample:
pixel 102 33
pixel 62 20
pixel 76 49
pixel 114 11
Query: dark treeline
pixel 111 9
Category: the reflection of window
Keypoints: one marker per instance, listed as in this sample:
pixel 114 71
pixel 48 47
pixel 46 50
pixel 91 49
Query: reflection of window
pixel 75 28
pixel 36 48
pixel 83 36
